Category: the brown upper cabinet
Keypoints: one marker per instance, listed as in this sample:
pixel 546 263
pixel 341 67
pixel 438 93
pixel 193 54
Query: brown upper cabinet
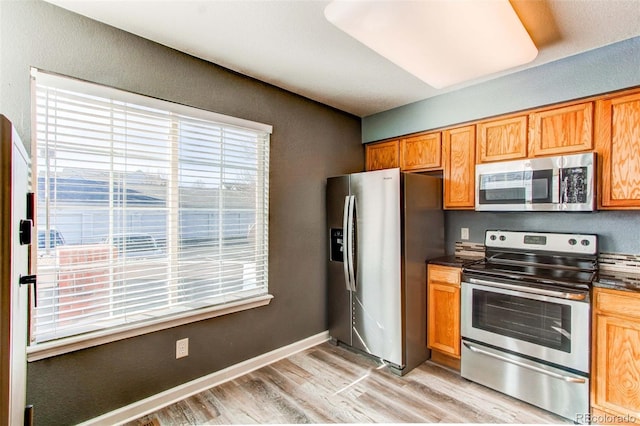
pixel 608 123
pixel 458 149
pixel 561 130
pixel 503 139
pixel 416 153
pixel 421 152
pixel 618 147
pixel 383 155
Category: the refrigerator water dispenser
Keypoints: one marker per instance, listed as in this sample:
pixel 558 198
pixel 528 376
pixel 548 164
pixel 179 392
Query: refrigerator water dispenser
pixel 337 245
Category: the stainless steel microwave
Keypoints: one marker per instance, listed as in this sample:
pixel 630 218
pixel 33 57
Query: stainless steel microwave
pixel 562 183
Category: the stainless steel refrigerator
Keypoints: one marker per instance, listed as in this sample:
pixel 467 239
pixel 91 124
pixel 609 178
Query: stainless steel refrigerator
pixel 383 226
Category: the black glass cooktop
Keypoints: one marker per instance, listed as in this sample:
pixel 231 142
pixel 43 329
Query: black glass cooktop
pixel 570 272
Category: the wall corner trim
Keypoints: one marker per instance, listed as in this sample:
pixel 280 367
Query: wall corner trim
pixel 170 396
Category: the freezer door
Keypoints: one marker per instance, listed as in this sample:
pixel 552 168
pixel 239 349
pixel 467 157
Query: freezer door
pixel 377 307
pixel 338 294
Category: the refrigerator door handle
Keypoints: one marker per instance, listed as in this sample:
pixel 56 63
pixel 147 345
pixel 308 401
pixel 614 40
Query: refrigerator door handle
pixel 350 247
pixel 346 241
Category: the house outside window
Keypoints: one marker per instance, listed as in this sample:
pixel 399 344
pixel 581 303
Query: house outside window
pixel 145 209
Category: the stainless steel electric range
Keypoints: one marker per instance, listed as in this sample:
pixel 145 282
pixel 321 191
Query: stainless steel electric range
pixel 526 318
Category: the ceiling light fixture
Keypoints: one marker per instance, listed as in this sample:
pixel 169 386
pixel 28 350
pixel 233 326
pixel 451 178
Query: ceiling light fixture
pixel 442 42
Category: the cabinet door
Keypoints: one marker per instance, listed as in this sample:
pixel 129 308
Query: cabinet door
pixel 421 152
pixel 617 365
pixel 443 310
pixel 459 167
pixel 383 155
pixel 561 130
pixel 501 140
pixel 618 147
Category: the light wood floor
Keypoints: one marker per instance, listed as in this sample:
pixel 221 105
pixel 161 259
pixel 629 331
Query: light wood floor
pixel 329 384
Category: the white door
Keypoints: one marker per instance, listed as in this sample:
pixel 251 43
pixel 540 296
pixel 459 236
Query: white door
pixel 14 184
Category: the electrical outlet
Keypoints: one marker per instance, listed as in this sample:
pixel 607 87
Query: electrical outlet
pixel 464 233
pixel 182 348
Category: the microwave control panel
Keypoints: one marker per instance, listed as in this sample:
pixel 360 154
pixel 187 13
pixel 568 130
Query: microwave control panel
pixel 574 185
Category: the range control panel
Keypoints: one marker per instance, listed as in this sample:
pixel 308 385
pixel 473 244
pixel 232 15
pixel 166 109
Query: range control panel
pixel 546 241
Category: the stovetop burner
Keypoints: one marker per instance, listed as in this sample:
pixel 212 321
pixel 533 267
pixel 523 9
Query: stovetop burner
pixel 565 260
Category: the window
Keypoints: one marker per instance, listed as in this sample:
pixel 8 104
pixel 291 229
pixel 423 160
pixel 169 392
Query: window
pixel 151 209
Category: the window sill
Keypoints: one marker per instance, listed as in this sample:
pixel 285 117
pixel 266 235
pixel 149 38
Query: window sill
pixel 70 344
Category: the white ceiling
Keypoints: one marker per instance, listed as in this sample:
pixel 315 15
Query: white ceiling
pixel 289 43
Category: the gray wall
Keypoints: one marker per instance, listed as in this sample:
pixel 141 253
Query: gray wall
pixel 598 71
pixel 310 142
pixel 618 231
pixel 602 70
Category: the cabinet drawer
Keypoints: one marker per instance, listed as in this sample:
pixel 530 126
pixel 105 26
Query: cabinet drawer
pixel 444 274
pixel 618 302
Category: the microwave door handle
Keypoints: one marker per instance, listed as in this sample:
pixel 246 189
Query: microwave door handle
pixel 556 182
pixel 527 183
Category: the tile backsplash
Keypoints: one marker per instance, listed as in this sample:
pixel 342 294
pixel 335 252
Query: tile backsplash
pixel 618 262
pixel 469 249
pixel 614 262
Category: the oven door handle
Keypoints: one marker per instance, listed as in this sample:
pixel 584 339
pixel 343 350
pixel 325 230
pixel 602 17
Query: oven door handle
pixel 523 365
pixel 530 290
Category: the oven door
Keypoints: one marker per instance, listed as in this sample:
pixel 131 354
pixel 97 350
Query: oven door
pixel 552 329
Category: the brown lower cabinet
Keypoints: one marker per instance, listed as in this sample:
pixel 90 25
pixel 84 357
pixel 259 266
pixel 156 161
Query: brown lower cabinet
pixel 443 310
pixel 615 386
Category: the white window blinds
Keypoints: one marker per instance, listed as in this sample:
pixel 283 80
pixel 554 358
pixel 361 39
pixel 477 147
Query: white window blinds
pixel 145 208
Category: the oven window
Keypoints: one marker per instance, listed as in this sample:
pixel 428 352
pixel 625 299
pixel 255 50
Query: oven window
pixel 543 323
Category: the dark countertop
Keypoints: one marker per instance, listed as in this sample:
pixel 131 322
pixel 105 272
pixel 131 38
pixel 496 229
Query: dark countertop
pixel 618 281
pixel 453 260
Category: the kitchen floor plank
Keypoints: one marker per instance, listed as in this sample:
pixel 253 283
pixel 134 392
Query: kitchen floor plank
pixel 330 384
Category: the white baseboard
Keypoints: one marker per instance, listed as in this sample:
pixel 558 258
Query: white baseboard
pixel 170 396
